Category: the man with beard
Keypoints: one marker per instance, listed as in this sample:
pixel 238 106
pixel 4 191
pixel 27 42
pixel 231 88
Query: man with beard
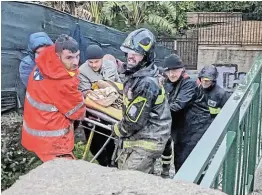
pixel 53 101
pixel 145 127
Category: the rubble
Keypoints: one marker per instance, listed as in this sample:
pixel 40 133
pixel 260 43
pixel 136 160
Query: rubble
pixel 78 177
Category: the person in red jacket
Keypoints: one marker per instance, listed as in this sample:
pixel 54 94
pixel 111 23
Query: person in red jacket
pixel 53 101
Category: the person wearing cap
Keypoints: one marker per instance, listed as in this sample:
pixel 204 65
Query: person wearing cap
pixel 146 123
pixel 190 114
pixel 96 68
pixel 53 101
pixel 215 96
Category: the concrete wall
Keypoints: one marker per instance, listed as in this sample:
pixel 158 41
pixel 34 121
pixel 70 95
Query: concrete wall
pixel 242 56
pixel 232 62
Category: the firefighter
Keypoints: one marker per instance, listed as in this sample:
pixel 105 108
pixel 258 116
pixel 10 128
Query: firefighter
pixel 145 127
pixel 215 96
pixel 53 101
pixel 190 114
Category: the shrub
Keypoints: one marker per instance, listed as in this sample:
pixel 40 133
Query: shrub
pixel 16 160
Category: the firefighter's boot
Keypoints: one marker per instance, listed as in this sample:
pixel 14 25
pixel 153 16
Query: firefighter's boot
pixel 166 164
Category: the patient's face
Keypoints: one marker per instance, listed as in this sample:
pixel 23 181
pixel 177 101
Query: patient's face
pixel 95 64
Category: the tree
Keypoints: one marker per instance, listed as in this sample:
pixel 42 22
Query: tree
pixel 229 6
pixel 161 15
pixel 164 18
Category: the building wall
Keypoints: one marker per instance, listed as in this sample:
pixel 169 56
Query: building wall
pixel 242 56
pixel 232 62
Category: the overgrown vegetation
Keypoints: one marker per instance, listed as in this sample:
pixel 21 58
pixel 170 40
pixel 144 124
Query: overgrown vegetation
pixel 15 160
pixel 164 18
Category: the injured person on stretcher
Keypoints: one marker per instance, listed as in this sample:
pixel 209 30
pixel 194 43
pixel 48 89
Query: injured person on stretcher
pixel 104 108
pixel 101 98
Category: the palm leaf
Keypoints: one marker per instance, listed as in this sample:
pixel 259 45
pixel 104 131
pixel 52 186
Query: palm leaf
pixel 162 23
pixel 170 8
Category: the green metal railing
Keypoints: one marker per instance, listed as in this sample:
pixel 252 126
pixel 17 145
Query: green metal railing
pixel 230 150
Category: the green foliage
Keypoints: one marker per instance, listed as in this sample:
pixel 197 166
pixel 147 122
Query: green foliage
pixel 165 17
pixel 162 16
pixel 15 160
pixel 79 151
pixel 229 6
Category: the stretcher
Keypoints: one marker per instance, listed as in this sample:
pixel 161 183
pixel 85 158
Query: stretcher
pixel 104 117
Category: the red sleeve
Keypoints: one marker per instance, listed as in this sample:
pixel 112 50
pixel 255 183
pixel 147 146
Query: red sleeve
pixel 70 101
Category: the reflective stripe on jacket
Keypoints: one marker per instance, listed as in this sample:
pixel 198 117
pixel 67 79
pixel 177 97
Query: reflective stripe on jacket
pixel 146 121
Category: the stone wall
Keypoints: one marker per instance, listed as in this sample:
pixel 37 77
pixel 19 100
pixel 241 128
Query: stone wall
pixel 242 56
pixel 232 62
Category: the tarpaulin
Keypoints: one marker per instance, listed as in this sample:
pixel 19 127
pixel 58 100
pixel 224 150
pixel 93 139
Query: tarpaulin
pixel 20 19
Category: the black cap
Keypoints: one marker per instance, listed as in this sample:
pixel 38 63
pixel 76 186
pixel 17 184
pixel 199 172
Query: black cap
pixel 94 52
pixel 173 61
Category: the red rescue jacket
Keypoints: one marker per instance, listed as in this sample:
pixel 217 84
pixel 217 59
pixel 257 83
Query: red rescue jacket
pixel 51 105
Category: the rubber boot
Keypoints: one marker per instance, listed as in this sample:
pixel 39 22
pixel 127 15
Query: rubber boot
pixel 165 172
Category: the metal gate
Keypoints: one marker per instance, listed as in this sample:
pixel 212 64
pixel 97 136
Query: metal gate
pixel 186 48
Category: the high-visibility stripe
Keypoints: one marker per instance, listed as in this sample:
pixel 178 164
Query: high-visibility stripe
pixel 126 101
pixel 214 110
pixel 160 98
pixel 149 145
pixel 118 131
pixel 39 105
pixel 166 162
pixel 166 157
pixel 76 108
pixel 45 133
